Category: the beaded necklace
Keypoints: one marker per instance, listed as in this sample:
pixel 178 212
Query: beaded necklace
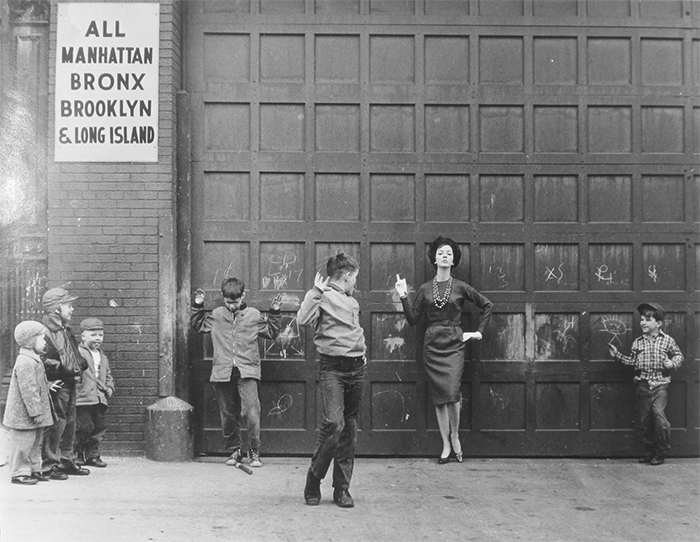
pixel 440 302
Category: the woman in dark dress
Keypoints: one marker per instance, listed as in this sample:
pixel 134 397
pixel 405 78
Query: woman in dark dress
pixel 441 302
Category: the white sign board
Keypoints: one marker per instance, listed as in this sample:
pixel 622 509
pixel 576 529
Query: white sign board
pixel 107 82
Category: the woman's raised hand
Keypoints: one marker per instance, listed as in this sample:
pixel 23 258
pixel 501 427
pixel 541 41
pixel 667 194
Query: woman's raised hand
pixel 321 283
pixel 401 287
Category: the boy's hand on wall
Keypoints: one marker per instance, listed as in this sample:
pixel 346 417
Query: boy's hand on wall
pixel 276 303
pixel 199 296
pixel 613 351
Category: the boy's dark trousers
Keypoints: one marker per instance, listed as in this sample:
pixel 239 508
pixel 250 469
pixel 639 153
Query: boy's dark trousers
pixel 341 381
pixel 238 399
pixel 59 439
pixel 91 427
pixel 654 427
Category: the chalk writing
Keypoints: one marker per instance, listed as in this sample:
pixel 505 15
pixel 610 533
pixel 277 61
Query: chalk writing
pixel 500 275
pixel 498 400
pixel 394 343
pixel 404 416
pixel 282 405
pixel 287 343
pixel 653 274
pixel 611 326
pixel 281 270
pixel 556 337
pixel 602 277
pixel 550 274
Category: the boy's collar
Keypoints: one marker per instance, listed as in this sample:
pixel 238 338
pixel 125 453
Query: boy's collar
pixel 338 288
pixel 29 352
pixel 241 307
pixel 54 322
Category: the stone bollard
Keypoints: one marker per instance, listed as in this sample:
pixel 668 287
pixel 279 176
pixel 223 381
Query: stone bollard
pixel 169 430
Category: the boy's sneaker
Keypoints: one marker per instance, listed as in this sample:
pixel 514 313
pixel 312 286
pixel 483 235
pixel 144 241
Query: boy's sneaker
pixel 235 458
pixel 254 458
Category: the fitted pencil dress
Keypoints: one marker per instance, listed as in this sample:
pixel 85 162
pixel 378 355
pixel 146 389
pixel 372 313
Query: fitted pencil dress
pixel 443 349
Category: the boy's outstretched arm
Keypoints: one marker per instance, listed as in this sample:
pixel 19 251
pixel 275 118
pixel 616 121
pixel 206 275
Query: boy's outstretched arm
pixel 270 327
pixel 311 306
pixel 619 356
pixel 200 319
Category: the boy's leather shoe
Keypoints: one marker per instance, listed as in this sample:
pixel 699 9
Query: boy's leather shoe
pixel 657 460
pixel 342 498
pixel 74 470
pixel 24 480
pixel 645 459
pixel 312 490
pixel 40 477
pixel 95 462
pixel 55 474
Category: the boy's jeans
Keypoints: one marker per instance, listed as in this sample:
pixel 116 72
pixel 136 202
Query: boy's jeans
pixel 238 399
pixel 341 397
pixel 654 427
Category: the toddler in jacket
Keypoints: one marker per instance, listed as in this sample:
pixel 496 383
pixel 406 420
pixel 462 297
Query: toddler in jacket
pixel 28 410
pixel 235 372
pixel 94 391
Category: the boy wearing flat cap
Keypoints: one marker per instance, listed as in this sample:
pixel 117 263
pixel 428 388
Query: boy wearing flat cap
pixel 653 356
pixel 94 391
pixel 64 367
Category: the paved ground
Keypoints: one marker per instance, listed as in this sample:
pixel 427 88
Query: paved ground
pixel 135 499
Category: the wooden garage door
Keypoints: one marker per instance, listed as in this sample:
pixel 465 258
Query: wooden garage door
pixel 553 139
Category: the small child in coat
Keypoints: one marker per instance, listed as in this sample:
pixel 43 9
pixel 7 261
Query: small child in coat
pixel 654 355
pixel 96 387
pixel 28 410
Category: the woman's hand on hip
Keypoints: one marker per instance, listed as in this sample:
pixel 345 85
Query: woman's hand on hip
pixel 476 336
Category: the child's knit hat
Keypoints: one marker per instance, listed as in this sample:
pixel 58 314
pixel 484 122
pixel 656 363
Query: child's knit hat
pixel 26 332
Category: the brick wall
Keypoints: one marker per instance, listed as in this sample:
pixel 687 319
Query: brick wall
pixel 105 246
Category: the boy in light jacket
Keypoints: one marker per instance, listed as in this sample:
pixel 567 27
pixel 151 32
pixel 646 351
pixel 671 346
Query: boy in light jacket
pixel 94 391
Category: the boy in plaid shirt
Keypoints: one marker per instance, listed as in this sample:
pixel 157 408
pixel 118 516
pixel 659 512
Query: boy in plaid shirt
pixel 654 355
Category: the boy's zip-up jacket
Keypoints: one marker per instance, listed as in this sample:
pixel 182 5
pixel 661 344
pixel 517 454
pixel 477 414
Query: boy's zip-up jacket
pixel 235 338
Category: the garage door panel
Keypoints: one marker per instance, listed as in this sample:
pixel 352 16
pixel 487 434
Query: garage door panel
pixel 553 153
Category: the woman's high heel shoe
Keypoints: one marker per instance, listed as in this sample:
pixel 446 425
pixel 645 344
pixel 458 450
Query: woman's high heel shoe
pixel 443 460
pixel 459 456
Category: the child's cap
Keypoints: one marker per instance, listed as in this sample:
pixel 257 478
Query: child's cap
pixel 92 323
pixel 55 297
pixel 26 331
pixel 653 307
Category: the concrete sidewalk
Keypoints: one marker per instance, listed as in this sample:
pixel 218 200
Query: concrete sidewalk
pixel 135 499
